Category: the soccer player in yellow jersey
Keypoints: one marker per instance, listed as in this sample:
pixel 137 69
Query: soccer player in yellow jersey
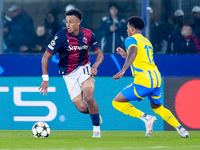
pixel 147 80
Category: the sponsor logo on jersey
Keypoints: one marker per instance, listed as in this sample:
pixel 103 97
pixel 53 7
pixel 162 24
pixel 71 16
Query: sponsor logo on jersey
pixel 73 48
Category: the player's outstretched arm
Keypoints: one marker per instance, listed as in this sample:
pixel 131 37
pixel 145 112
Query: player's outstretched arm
pixel 130 57
pixel 121 52
pixel 45 65
pixel 129 60
pixel 99 60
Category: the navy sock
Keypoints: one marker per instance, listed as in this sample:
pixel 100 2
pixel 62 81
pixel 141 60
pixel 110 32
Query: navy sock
pixel 95 119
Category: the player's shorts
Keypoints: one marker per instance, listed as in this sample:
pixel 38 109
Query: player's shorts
pixel 76 81
pixel 138 92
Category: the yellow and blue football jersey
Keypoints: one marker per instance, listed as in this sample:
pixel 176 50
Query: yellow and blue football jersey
pixel 143 68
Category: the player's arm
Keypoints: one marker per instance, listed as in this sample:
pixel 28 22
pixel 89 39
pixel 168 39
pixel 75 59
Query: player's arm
pixel 97 63
pixel 130 57
pixel 98 52
pixel 121 52
pixel 52 49
pixel 129 60
pixel 45 66
pixel 131 46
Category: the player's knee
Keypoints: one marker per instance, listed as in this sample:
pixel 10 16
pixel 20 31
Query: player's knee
pixel 154 106
pixel 91 103
pixel 89 98
pixel 83 109
pixel 157 110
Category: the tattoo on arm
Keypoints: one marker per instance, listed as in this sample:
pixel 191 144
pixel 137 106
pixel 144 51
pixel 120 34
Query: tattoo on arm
pixel 130 57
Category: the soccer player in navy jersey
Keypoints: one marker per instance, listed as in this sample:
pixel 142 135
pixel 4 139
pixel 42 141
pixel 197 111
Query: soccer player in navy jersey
pixel 72 44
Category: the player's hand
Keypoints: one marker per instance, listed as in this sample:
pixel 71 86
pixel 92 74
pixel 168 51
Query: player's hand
pixel 121 52
pixel 44 86
pixel 119 75
pixel 93 71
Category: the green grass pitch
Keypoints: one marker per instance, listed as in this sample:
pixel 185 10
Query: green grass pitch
pixel 111 140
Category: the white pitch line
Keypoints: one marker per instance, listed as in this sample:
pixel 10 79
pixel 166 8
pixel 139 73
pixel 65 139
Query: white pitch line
pixel 107 148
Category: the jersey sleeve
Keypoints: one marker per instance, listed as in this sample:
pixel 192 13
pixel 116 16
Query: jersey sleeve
pixel 93 43
pixel 55 43
pixel 130 41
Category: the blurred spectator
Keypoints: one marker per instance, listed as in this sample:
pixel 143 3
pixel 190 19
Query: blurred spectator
pixel 165 31
pixel 178 21
pixel 20 31
pixel 154 32
pixel 112 30
pixel 67 8
pixel 184 43
pixel 196 25
pixel 175 34
pixel 42 39
pixel 192 44
pixel 51 25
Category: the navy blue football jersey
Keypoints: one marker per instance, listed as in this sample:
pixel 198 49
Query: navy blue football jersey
pixel 72 50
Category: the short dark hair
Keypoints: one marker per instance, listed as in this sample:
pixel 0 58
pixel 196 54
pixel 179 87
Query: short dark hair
pixel 75 12
pixel 136 22
pixel 113 5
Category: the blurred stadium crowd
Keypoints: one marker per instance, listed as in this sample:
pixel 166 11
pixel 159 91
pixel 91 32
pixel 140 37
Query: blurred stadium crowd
pixel 173 26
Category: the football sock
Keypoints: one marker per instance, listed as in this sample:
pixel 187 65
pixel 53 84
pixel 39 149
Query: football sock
pixel 96 128
pixel 167 116
pixel 127 109
pixel 95 119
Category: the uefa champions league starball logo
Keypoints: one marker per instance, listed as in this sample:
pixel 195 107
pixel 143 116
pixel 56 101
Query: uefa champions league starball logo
pixel 85 40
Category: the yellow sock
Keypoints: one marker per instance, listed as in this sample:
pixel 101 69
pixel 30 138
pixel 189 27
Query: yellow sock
pixel 127 109
pixel 167 116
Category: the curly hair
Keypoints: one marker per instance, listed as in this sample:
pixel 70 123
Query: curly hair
pixel 136 22
pixel 75 12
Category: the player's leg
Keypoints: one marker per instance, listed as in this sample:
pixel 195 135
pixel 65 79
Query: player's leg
pixel 80 88
pixel 134 92
pixel 121 104
pixel 75 92
pixel 166 114
pixel 80 104
pixel 88 93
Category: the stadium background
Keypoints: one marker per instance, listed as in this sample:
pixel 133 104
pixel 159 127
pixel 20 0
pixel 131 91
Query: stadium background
pixel 20 76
